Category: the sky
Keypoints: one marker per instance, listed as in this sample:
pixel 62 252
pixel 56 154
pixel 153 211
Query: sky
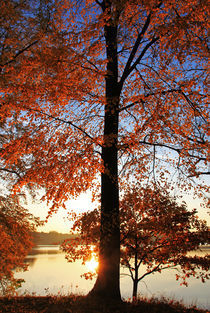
pixel 59 221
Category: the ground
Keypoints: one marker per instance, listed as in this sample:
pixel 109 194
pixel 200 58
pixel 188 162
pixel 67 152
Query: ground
pixel 81 304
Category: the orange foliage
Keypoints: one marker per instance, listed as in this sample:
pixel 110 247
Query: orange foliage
pixel 53 69
pixel 15 241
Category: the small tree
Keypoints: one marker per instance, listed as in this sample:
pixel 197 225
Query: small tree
pixel 156 232
pixel 16 223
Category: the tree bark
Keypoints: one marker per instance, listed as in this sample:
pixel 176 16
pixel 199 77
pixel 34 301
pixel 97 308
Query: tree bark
pixel 135 289
pixel 136 267
pixel 107 283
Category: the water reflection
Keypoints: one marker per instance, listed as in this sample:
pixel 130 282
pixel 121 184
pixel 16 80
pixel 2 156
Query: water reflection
pixel 44 249
pixel 50 273
pixel 201 252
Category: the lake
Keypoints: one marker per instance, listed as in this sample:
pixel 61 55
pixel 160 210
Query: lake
pixel 50 273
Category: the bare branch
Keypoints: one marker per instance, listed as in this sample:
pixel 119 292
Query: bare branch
pixel 155 269
pixel 10 171
pixel 127 71
pixel 198 174
pixel 193 105
pixel 163 92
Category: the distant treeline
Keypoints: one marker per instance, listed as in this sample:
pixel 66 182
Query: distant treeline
pixel 51 238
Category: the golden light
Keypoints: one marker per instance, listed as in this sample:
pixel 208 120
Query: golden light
pixel 92 264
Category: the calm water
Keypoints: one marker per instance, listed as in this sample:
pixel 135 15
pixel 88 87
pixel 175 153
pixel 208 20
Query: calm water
pixel 50 273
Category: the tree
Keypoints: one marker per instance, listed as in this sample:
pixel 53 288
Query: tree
pixel 16 225
pixel 106 87
pixel 156 232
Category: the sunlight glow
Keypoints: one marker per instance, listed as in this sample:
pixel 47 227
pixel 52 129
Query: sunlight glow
pixel 92 264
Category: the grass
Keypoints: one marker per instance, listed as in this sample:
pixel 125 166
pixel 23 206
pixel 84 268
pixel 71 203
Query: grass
pixel 82 304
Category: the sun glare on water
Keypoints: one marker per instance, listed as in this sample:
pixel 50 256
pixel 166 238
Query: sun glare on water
pixel 92 264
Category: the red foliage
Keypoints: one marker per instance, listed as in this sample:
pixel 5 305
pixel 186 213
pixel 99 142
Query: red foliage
pixel 16 223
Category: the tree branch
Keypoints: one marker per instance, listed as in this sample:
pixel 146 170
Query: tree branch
pixel 65 122
pixel 143 53
pixel 198 173
pixel 131 68
pixel 164 92
pixel 126 71
pixel 10 171
pixel 128 68
pixel 192 105
pixel 101 4
pixel 178 150
pixel 18 53
pixel 155 269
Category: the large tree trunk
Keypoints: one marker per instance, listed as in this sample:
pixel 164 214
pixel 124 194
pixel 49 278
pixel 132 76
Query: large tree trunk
pixel 107 283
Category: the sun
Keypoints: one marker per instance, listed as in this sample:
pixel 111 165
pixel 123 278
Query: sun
pixel 92 264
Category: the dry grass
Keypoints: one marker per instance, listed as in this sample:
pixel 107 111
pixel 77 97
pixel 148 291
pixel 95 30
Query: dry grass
pixel 82 304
